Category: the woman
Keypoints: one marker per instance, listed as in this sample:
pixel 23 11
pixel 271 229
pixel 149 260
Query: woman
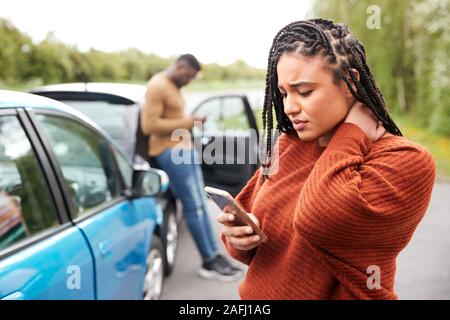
pixel 349 190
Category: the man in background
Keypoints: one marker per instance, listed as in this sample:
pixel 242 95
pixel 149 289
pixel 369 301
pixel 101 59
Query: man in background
pixel 162 114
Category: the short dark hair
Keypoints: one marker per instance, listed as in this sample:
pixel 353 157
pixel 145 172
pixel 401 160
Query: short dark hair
pixel 191 60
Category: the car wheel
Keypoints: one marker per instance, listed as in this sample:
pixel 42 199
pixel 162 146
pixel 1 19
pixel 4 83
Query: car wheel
pixel 170 237
pixel 154 276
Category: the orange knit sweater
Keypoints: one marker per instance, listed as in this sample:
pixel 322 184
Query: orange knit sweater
pixel 332 214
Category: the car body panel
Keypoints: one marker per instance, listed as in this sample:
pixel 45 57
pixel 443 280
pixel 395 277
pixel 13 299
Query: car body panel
pixel 120 239
pixel 45 270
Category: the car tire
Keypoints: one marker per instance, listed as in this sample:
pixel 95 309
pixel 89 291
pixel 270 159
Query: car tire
pixel 154 275
pixel 170 236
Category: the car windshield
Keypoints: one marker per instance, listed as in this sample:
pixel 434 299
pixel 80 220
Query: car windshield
pixel 117 119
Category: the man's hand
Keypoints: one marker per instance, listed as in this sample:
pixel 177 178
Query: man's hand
pixel 240 237
pixel 198 120
pixel 363 117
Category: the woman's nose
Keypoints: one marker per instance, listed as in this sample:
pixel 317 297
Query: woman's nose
pixel 291 105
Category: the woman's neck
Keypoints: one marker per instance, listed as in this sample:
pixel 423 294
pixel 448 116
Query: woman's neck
pixel 324 140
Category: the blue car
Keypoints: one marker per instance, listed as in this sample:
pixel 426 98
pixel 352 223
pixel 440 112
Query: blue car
pixel 114 107
pixel 77 219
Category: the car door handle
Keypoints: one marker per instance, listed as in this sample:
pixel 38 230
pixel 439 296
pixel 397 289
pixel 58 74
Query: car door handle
pixel 105 248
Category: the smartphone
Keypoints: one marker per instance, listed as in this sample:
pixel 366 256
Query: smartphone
pixel 222 198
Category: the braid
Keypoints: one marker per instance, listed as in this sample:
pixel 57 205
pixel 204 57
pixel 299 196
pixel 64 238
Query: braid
pixel 342 50
pixel 268 105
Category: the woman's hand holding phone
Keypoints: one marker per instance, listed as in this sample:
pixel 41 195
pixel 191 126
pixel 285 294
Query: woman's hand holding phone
pixel 241 237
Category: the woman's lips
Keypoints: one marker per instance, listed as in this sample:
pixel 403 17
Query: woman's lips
pixel 299 125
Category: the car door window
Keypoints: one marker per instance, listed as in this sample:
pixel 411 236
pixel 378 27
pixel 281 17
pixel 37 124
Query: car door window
pixel 26 205
pixel 117 119
pixel 233 114
pixel 125 168
pixel 224 113
pixel 211 109
pixel 86 162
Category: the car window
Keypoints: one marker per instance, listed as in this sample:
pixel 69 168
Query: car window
pixel 86 161
pixel 211 109
pixel 118 120
pixel 234 116
pixel 26 205
pixel 124 167
pixel 224 113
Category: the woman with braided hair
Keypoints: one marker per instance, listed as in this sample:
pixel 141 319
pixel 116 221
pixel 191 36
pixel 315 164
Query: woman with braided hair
pixel 346 191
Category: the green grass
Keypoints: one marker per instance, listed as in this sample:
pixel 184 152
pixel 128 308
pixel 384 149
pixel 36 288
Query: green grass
pixel 20 86
pixel 438 145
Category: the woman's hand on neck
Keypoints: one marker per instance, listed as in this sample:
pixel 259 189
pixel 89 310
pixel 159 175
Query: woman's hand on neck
pixel 361 116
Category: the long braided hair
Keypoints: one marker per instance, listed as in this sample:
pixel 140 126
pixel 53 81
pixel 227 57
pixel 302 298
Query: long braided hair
pixel 342 51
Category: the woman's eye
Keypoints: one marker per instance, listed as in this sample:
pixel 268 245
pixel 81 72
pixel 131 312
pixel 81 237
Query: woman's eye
pixel 306 93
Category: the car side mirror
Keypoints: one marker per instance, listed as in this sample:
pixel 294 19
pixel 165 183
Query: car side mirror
pixel 148 182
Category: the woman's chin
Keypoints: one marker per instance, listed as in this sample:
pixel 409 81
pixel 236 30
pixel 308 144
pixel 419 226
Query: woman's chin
pixel 306 135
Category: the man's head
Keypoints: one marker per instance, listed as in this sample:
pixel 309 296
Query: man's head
pixel 184 70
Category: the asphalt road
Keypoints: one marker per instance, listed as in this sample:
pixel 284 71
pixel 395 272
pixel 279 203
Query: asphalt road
pixel 423 267
pixel 184 283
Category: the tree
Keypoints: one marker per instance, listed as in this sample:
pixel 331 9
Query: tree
pixel 14 50
pixel 408 54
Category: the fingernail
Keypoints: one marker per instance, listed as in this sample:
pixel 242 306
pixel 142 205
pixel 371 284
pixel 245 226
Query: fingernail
pixel 230 217
pixel 256 238
pixel 249 230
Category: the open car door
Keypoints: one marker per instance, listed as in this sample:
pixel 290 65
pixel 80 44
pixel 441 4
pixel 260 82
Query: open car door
pixel 228 142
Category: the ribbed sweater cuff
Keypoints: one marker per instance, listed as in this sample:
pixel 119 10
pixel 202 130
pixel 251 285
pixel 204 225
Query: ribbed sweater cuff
pixel 242 256
pixel 350 139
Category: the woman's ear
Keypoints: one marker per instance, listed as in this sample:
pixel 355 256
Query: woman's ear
pixel 356 74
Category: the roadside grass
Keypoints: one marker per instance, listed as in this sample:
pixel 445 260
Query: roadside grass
pixel 20 86
pixel 437 144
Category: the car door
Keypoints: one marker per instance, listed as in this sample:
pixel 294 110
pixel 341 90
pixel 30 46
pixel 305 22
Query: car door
pixel 42 254
pixel 228 142
pixel 118 229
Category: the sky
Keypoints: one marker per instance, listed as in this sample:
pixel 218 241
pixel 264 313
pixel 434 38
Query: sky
pixel 215 31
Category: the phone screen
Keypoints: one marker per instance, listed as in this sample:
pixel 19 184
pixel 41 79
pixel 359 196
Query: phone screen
pixel 221 201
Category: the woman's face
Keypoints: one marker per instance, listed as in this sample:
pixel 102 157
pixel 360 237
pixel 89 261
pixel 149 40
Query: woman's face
pixel 313 103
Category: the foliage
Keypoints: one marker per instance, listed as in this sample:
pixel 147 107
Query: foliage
pixel 51 61
pixel 408 54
